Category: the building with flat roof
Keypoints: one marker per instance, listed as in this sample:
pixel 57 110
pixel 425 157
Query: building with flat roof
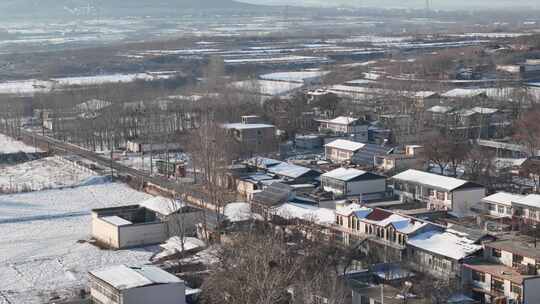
pixel 151 222
pixel 438 192
pixel 345 182
pixel 135 285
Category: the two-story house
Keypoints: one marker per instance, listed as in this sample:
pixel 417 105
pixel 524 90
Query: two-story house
pixel 344 125
pixel 499 205
pixel 253 137
pixel 507 273
pixel 342 151
pixel 438 192
pixel 345 182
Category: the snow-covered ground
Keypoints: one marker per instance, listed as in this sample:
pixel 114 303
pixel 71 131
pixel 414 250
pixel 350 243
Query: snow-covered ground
pixel 296 76
pixel 45 173
pixel 32 86
pixel 41 251
pixel 267 87
pixel 10 145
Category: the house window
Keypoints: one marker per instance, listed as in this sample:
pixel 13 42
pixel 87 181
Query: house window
pixel 517 260
pixel 497 285
pixel 431 192
pixel 532 214
pixel 492 207
pixel 500 209
pixel 496 252
pixel 515 288
pixel 440 196
pixel 509 210
pixel 478 276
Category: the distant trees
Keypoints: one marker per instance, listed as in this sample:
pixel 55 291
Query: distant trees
pixel 527 130
pixel 445 152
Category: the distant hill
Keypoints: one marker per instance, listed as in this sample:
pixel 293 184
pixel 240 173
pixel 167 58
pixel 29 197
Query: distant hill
pixel 66 8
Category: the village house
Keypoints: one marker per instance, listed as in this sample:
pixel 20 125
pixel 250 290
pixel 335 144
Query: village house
pixel 343 182
pixel 293 174
pixel 518 254
pixel 252 137
pixel 342 151
pixel 438 192
pixel 527 209
pixel 382 228
pixel 494 283
pixel 135 285
pixel 499 205
pixel 440 253
pixel 396 162
pixel 343 125
pixel 151 222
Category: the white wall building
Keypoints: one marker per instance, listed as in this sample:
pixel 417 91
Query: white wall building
pixel 136 285
pixel 151 222
pixel 500 204
pixel 341 150
pixel 353 182
pixel 438 192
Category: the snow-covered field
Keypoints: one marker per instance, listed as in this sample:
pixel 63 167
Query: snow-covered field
pixel 296 76
pixel 41 252
pixel 32 86
pixel 10 145
pixel 45 173
pixel 267 87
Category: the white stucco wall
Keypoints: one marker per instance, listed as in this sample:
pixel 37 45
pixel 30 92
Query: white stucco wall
pixel 531 291
pixel 105 232
pixel 367 186
pixel 162 294
pixel 143 234
pixel 463 200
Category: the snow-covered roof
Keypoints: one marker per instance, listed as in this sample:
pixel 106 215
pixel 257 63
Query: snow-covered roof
pixel 464 93
pixel 444 243
pixel 289 170
pixel 306 212
pixel 424 94
pixel 402 224
pixel 123 277
pixel 239 212
pixel 350 208
pixel 344 174
pixel 263 162
pixel 162 205
pixel 267 87
pixel 174 245
pixel 440 109
pixel 296 76
pixel 531 200
pixel 503 198
pixel 481 110
pixel 465 112
pixel 242 126
pixel 430 179
pixel 116 220
pixel 344 144
pixel 343 120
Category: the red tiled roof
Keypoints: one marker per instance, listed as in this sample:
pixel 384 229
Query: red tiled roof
pixel 378 215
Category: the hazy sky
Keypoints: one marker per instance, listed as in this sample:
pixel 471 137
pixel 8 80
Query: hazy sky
pixel 442 4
